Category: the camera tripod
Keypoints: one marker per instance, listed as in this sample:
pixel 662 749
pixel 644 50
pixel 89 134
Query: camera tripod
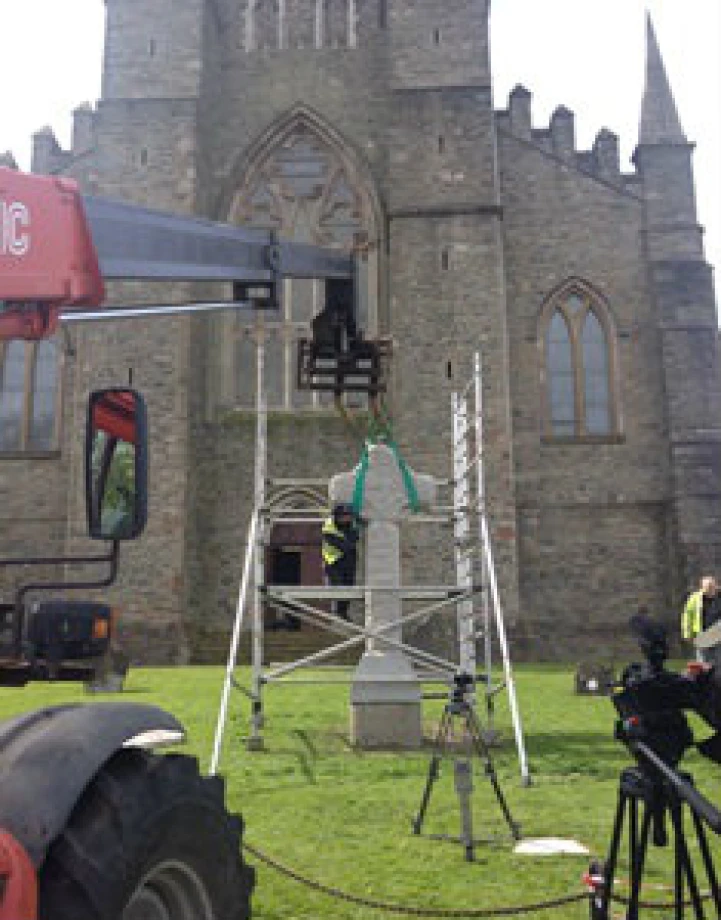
pixel 459 707
pixel 659 799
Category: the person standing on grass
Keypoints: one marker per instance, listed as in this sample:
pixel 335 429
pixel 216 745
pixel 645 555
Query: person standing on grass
pixel 702 609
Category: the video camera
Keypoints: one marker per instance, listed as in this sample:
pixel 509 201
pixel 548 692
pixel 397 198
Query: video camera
pixel 463 684
pixel 652 701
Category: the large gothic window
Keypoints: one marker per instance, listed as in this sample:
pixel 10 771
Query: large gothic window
pixel 303 184
pixel 29 385
pixel 578 366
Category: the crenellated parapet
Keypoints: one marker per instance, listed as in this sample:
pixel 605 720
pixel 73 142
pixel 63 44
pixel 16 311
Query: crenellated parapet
pixel 47 154
pixel 519 112
pixel 563 133
pixel 606 155
pixel 83 129
pixel 558 138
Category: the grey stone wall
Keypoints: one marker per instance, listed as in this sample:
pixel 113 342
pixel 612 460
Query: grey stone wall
pixel 594 542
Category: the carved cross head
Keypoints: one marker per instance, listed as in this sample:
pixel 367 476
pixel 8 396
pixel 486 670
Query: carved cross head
pixel 385 497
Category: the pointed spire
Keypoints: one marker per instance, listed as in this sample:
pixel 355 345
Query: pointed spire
pixel 660 123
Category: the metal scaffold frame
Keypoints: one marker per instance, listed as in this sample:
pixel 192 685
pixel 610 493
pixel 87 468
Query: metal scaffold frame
pixel 271 507
pixel 469 502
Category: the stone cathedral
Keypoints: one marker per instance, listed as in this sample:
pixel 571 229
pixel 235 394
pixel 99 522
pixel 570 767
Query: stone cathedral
pixel 583 284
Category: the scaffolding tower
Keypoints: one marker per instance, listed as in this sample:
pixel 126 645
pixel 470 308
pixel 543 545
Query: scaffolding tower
pixel 474 559
pixel 274 503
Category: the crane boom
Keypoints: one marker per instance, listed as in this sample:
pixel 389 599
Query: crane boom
pixel 57 247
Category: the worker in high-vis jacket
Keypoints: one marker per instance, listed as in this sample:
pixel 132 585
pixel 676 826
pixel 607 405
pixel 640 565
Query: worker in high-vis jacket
pixel 702 609
pixel 339 548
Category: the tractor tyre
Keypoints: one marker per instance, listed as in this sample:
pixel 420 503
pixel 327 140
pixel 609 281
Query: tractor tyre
pixel 150 839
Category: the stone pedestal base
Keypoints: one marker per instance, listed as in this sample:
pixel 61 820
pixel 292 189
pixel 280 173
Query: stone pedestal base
pixel 385 702
pixel 380 726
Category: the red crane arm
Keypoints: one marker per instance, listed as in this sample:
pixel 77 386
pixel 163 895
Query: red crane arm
pixel 47 258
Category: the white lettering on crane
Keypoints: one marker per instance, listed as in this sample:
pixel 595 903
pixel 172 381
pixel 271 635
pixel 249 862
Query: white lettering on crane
pixel 14 224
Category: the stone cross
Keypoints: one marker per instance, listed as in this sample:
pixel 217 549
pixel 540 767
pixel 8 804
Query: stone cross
pixel 384 679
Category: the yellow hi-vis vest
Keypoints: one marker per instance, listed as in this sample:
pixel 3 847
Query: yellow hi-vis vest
pixel 331 554
pixel 692 617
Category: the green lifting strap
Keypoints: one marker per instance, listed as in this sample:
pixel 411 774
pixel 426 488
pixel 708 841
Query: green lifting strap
pixel 406 475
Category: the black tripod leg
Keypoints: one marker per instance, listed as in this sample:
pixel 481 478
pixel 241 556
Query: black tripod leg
pixel 678 890
pixel 708 863
pixel 685 860
pixel 633 835
pixel 433 770
pixel 610 867
pixel 474 730
pixel 639 863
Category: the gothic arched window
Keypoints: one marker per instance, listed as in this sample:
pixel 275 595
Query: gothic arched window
pixel 578 366
pixel 29 396
pixel 305 184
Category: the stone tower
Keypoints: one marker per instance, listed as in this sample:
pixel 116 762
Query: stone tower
pixel 683 291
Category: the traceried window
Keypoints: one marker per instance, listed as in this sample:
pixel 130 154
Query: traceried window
pixel 265 23
pixel 29 396
pixel 301 23
pixel 271 25
pixel 578 347
pixel 335 23
pixel 305 186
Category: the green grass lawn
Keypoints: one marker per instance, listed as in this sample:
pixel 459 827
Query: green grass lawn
pixel 343 817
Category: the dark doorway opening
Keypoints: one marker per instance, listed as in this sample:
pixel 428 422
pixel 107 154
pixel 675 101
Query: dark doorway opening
pixel 285 565
pixel 286 569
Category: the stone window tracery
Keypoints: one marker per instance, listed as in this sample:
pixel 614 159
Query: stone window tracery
pixel 308 190
pixel 301 23
pixel 263 24
pixel 277 24
pixel 579 361
pixel 29 396
pixel 335 23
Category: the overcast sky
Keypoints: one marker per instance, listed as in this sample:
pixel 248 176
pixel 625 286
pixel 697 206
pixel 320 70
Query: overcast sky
pixel 585 54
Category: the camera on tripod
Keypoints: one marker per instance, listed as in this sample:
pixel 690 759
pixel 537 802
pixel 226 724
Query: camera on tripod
pixel 463 683
pixel 651 702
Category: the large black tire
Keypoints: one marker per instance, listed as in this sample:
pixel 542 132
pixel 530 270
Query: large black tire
pixel 150 839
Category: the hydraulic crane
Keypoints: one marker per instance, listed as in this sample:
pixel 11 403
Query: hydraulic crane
pixel 57 250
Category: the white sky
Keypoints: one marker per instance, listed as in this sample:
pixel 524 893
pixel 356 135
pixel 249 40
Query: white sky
pixel 585 54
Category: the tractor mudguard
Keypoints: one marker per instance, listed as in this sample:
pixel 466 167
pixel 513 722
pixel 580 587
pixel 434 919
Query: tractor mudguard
pixel 49 756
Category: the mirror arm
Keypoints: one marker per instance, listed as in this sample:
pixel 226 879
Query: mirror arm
pixel 111 559
pixel 55 560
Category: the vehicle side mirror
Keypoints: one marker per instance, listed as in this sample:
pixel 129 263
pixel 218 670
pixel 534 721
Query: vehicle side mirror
pixel 116 465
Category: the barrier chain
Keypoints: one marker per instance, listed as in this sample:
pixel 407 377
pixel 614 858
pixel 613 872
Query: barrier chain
pixel 508 911
pixel 407 909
